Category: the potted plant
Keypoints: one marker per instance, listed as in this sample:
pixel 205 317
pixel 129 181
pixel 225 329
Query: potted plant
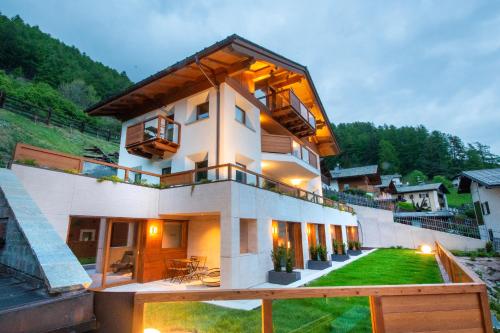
pixel 319 258
pixel 277 275
pixel 339 254
pixel 354 248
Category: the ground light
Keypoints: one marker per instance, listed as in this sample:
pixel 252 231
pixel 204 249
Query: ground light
pixel 425 249
pixel 151 330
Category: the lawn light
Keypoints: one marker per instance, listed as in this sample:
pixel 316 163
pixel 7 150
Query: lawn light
pixel 425 249
pixel 151 330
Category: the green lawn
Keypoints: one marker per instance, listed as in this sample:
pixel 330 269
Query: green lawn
pixel 385 266
pixel 457 200
pixel 15 128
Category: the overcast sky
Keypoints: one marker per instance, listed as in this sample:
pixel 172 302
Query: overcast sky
pixel 435 63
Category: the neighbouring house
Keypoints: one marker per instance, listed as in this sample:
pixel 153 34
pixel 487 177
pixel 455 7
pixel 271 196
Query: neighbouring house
pixel 364 178
pixel 484 186
pixel 385 182
pixel 219 159
pixel 426 196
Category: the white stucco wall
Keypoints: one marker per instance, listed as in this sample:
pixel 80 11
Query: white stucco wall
pixel 492 196
pixel 378 229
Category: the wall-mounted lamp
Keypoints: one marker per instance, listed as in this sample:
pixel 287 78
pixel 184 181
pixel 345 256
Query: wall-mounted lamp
pixel 295 181
pixel 288 244
pixel 275 230
pixel 153 230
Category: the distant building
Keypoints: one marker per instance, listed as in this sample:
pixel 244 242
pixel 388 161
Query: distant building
pixel 364 178
pixel 484 185
pixel 385 182
pixel 428 196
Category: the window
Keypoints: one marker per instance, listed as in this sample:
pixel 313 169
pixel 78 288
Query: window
pixel 241 176
pixel 240 115
pixel 119 234
pixel 486 208
pixel 479 214
pixel 411 196
pixel 87 235
pixel 201 175
pixel 172 235
pixel 202 111
pixel 248 236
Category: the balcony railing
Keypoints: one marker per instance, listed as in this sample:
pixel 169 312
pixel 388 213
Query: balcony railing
pixel 153 137
pixel 289 110
pixel 53 160
pixel 283 144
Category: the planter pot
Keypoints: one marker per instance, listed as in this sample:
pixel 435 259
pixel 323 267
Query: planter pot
pixel 340 257
pixel 283 277
pixel 318 264
pixel 354 252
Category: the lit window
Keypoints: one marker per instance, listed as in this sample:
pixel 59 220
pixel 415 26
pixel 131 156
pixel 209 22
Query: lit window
pixel 172 235
pixel 240 115
pixel 202 111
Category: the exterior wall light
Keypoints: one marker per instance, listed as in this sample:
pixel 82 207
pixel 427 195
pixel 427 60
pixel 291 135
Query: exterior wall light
pixel 275 230
pixel 153 230
pixel 151 330
pixel 295 181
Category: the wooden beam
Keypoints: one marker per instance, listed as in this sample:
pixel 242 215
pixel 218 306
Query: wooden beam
pixel 287 82
pixel 267 316
pixel 105 262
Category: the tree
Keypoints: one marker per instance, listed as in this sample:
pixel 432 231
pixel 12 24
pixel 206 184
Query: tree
pixel 79 93
pixel 387 157
pixel 443 180
pixel 415 177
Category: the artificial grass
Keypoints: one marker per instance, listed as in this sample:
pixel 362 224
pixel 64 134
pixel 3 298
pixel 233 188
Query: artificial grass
pixel 346 314
pixel 16 128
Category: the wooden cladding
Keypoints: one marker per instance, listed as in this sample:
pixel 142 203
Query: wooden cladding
pixel 281 144
pixel 135 134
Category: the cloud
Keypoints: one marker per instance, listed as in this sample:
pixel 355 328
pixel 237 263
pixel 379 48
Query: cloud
pixel 402 63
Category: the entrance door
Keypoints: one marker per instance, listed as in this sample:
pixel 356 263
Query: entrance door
pixel 289 235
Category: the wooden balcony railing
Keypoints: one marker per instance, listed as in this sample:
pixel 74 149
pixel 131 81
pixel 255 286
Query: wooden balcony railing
pixel 283 144
pixel 39 157
pixel 153 137
pixel 445 307
pixel 289 110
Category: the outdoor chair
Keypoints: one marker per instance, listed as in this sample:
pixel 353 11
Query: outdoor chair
pixel 211 278
pixel 125 263
pixel 201 268
pixel 179 271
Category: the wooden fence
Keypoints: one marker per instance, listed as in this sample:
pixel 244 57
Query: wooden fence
pixel 448 307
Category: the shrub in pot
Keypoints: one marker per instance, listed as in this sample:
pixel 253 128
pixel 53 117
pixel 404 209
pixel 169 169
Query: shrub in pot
pixel 354 248
pixel 339 253
pixel 321 254
pixel 277 276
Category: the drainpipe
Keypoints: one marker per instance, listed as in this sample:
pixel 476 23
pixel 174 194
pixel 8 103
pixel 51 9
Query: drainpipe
pixel 217 138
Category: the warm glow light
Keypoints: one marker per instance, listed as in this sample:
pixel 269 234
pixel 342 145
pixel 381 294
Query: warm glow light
pixel 264 164
pixel 151 330
pixel 275 230
pixel 426 249
pixel 295 181
pixel 308 230
pixel 153 230
pixel 288 244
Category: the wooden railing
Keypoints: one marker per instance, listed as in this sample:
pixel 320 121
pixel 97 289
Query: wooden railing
pixel 155 128
pixel 245 176
pixel 283 144
pixel 457 272
pixel 35 156
pixel 452 307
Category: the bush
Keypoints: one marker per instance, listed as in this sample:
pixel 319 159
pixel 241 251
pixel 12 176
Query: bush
pixel 277 256
pixel 289 261
pixel 27 161
pixel 313 252
pixel 114 179
pixel 405 206
pixel 489 247
pixel 322 253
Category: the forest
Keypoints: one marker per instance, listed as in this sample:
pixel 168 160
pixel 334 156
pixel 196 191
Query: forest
pixel 406 149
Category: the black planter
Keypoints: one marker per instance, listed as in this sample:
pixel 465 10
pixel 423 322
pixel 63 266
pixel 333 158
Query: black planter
pixel 340 257
pixel 318 264
pixel 354 252
pixel 283 277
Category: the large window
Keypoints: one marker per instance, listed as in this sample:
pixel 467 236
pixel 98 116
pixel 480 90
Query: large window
pixel 202 111
pixel 172 235
pixel 240 115
pixel 119 234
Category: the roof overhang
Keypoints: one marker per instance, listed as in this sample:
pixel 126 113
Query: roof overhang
pixel 212 65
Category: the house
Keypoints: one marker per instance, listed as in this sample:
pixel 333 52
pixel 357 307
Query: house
pixel 484 186
pixel 363 178
pixel 385 182
pixel 427 196
pixel 219 158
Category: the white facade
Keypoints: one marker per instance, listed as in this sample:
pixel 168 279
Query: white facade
pixel 430 197
pixel 489 199
pixel 215 211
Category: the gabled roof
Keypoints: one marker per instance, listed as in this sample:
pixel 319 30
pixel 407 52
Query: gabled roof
pixel 231 55
pixel 385 180
pixel 368 170
pixel 488 177
pixel 421 188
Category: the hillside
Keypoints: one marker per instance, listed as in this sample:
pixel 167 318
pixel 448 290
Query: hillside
pixel 15 128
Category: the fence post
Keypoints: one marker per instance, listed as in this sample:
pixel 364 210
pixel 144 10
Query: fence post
pixel 49 115
pixel 2 98
pixel 267 316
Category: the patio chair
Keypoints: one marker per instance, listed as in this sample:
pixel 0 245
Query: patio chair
pixel 211 278
pixel 125 263
pixel 179 271
pixel 201 268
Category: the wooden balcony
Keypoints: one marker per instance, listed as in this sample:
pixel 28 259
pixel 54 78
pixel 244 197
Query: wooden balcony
pixel 290 112
pixel 154 137
pixel 283 144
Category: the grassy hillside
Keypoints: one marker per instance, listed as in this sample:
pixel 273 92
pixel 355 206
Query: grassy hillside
pixel 15 128
pixel 457 200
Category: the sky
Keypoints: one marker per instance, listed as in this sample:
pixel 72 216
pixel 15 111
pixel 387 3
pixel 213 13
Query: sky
pixel 435 63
